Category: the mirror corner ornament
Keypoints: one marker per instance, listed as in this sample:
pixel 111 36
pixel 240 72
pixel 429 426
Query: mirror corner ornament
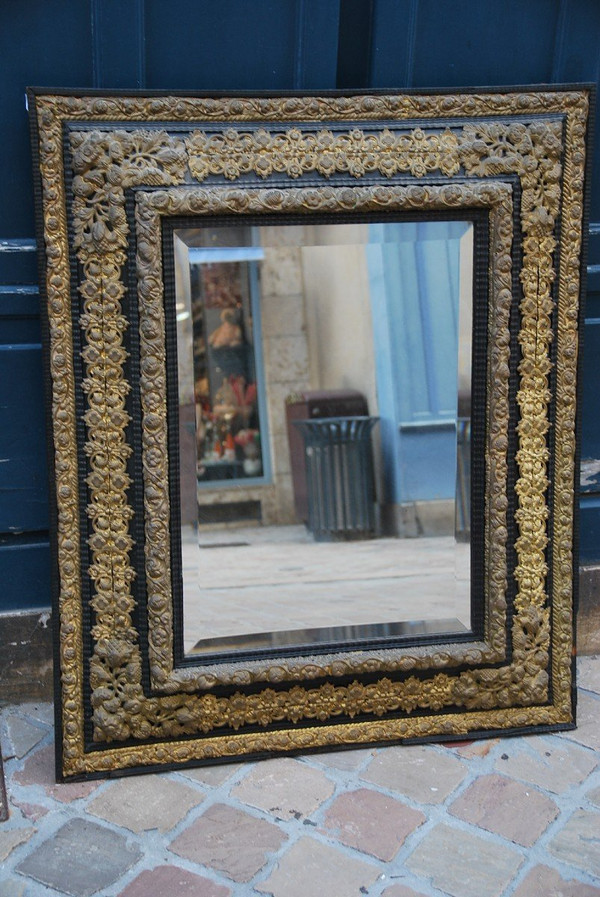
pixel 521 157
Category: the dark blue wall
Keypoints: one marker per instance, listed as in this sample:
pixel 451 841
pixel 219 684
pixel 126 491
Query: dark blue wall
pixel 234 44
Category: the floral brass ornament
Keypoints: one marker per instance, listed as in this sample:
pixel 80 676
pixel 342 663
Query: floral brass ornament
pixel 112 169
pixel 150 209
pixel 294 153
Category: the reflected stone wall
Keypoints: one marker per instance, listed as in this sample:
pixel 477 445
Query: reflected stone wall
pixel 327 296
pixel 285 349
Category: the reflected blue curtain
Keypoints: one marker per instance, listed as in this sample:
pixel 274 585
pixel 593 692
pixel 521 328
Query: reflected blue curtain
pixel 414 281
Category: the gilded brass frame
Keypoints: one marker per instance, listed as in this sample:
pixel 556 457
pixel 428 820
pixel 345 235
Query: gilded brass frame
pixel 122 701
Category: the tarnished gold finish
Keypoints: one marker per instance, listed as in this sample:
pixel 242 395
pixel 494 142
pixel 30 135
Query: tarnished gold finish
pixel 304 738
pixel 469 160
pixel 295 152
pixel 371 108
pixel 565 485
pixel 151 208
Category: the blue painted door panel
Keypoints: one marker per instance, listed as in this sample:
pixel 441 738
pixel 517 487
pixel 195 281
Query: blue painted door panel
pixel 23 480
pixel 45 42
pixel 24 572
pixel 24 549
pixel 233 44
pixel 454 45
pixel 468 43
pixel 42 42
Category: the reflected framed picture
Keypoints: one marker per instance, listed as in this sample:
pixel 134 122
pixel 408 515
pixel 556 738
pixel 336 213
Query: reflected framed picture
pixel 312 374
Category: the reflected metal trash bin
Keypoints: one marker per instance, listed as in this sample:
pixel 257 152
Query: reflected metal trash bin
pixel 315 404
pixel 339 477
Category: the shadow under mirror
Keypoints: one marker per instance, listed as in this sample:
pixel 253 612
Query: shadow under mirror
pixel 324 377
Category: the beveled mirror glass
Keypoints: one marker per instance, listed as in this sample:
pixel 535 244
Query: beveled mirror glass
pixel 364 319
pixel 312 373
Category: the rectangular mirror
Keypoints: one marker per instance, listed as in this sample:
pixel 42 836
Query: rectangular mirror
pixel 313 411
pixel 374 315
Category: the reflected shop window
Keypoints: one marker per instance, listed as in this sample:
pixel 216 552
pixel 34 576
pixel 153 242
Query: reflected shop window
pixel 324 381
pixel 224 306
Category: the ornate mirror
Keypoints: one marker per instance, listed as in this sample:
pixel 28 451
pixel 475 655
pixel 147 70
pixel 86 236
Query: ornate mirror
pixel 312 366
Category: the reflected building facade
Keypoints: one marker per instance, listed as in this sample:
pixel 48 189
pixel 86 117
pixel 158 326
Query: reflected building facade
pixel 265 313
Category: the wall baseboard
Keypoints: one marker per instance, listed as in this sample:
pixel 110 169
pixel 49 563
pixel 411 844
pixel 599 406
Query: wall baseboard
pixel 588 614
pixel 26 656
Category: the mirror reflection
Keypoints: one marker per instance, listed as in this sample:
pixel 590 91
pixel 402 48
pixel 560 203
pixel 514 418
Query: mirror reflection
pixel 324 379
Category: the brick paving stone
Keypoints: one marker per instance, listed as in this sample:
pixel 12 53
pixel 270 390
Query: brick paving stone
pixel 44 712
pixel 171 881
pixel 420 772
pixel 588 673
pixel 285 787
pixel 347 760
pixel 401 891
pixel 212 775
pixel 11 838
pixel 371 822
pixel 462 864
pixel 230 841
pixel 578 843
pixel 312 869
pixel 30 811
pixel 471 749
pixel 39 770
pixel 12 888
pixel 23 736
pixel 588 730
pixel 594 796
pixel 508 808
pixel 80 859
pixel 552 763
pixel 145 802
pixel 547 882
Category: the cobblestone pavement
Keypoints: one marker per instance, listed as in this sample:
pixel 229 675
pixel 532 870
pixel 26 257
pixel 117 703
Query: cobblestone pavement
pixel 516 817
